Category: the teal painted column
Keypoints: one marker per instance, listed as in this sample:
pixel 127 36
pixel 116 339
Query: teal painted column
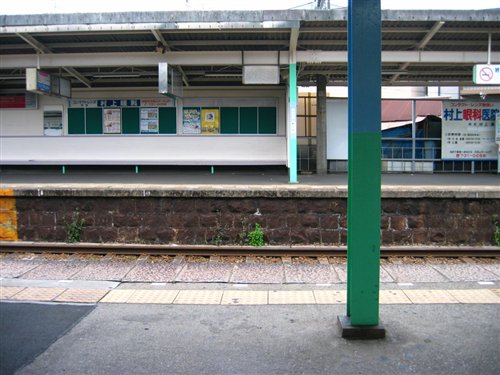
pixel 364 191
pixel 292 123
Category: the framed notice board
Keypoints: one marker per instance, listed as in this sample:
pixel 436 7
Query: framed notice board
pixel 248 120
pixel 229 120
pixel 130 120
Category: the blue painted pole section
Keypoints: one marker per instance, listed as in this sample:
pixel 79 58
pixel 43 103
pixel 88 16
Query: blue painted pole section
pixel 364 169
pixel 292 120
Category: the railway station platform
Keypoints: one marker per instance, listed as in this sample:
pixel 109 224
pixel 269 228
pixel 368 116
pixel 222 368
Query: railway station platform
pixel 84 314
pixel 196 207
pixel 40 176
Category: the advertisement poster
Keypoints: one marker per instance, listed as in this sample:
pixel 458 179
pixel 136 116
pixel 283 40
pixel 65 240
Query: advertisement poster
pixel 210 121
pixel 149 121
pixel 52 123
pixel 191 120
pixel 468 130
pixel 112 121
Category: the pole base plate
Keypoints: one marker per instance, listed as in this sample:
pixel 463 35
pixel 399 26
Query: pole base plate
pixel 350 332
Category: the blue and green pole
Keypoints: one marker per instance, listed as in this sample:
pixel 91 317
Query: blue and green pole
pixel 364 180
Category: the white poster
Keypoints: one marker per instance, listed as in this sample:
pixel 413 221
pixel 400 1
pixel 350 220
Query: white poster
pixel 52 123
pixel 112 121
pixel 468 131
pixel 149 121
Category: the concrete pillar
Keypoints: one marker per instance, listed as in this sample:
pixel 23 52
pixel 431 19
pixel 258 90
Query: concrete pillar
pixel 321 162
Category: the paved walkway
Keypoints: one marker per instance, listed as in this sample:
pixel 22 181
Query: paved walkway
pixel 160 315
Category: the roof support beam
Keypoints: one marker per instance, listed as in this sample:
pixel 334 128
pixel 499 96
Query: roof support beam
pixel 78 76
pixel 420 46
pixel 159 37
pixel 433 31
pixel 107 59
pixel 44 50
pixel 39 47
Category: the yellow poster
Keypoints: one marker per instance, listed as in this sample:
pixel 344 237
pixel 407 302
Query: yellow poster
pixel 210 121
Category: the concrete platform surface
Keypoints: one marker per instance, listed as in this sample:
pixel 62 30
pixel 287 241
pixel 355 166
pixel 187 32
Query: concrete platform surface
pixel 300 339
pixel 120 176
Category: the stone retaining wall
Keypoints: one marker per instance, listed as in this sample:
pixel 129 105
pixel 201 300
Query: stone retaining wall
pixel 292 218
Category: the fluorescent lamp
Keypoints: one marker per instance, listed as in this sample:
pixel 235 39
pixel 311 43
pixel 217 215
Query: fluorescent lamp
pixel 223 75
pixel 11 78
pixel 117 75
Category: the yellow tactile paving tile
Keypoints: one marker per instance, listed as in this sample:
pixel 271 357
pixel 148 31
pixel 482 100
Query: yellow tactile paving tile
pixel 391 297
pixel 291 297
pixel 244 297
pixel 475 296
pixel 330 297
pixel 7 292
pixel 419 296
pixel 81 295
pixel 199 297
pixel 153 296
pixel 38 294
pixel 118 296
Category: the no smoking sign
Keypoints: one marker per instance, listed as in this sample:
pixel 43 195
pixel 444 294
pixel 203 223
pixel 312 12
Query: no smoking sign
pixel 486 74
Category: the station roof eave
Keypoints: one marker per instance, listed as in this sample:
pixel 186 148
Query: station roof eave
pixel 208 48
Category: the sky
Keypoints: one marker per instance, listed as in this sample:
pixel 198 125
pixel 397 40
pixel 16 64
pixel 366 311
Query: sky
pixel 78 6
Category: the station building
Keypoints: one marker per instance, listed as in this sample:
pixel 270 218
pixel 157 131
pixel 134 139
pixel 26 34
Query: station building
pixel 220 88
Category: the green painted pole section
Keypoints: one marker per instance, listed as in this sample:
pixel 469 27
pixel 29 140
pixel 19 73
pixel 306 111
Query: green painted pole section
pixel 292 120
pixel 212 169
pixel 364 180
pixel 136 169
pixel 63 169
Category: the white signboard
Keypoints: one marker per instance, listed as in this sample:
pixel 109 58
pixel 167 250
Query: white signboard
pixel 486 74
pixel 468 130
pixel 261 75
pixel 337 129
pixel 497 129
pixel 96 103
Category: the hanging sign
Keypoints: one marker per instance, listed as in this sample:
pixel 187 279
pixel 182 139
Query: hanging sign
pixel 468 130
pixel 44 83
pixel 486 74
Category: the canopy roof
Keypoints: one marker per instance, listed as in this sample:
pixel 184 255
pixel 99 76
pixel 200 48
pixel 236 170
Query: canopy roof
pixel 209 48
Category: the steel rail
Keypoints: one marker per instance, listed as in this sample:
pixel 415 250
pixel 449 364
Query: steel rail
pixel 208 250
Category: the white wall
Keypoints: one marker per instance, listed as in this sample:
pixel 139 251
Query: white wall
pixel 336 129
pixel 145 149
pixel 22 140
pixel 29 121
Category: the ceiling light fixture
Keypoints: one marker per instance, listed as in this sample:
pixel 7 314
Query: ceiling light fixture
pixel 117 75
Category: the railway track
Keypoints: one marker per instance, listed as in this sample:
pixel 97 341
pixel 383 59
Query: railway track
pixel 208 250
